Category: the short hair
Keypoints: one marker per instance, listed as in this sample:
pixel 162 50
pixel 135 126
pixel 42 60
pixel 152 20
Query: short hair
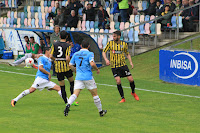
pixel 117 33
pixel 25 36
pixel 63 34
pixel 31 37
pixel 56 26
pixel 46 49
pixel 73 11
pixel 167 6
pixel 48 37
pixel 100 6
pixel 85 43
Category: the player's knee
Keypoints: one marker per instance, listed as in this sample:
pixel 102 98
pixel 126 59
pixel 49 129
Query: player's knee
pixel 31 90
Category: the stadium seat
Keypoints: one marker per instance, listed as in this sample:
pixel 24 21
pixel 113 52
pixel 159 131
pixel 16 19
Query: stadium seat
pixel 49 3
pixel 50 9
pixel 107 4
pixel 83 25
pixel 8 21
pixel 94 4
pixel 33 23
pixel 87 25
pixel 7 25
pixel 15 14
pixel 147 18
pixel 116 16
pixel 29 22
pixel 45 3
pixel 32 15
pixel 36 23
pixel 42 3
pixel 96 30
pixel 79 24
pixel 15 21
pixel 151 18
pixel 11 14
pixel 52 3
pixel 106 31
pixel 92 30
pixel 153 28
pixel 139 5
pixel 53 9
pixel 29 15
pixel 42 9
pixel 132 18
pixel 66 3
pixel 100 40
pixel 111 18
pixel 91 24
pixel 130 35
pixel 144 5
pixel 108 11
pixel 173 22
pixel 22 15
pixel 9 3
pixel 22 21
pixel 36 16
pixel 40 23
pixel 25 22
pixel 43 16
pixel 141 18
pixel 122 26
pixel 180 22
pixel 32 9
pixel 159 29
pixel 40 15
pixel 28 9
pixel 132 24
pixel 86 2
pixel 68 28
pixel 63 3
pixel 36 9
pixel 137 19
pixel 127 24
pixel 141 28
pixel 43 23
pixel 117 24
pixel 46 9
pixel 136 37
pixel 25 9
pixel 112 25
pixel 8 14
pixel 137 27
pixel 18 21
pixel 72 29
pixel 63 28
pixel 4 20
pixel 125 35
pixel 96 24
pixel 84 17
pixel 80 11
pixel 47 15
pixel 147 28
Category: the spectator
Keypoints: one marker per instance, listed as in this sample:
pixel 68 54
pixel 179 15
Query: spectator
pixel 151 10
pixel 193 15
pixel 115 8
pixel 172 7
pixel 55 37
pixel 57 7
pixel 166 19
pixel 185 13
pixel 57 18
pixel 158 6
pixel 74 5
pixel 65 12
pixel 72 20
pixel 123 7
pixel 33 46
pixel 103 16
pixel 90 12
pixel 131 7
pixel 178 5
pixel 28 47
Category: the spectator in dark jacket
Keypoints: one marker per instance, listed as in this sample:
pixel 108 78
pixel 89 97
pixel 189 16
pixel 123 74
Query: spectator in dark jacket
pixel 158 6
pixel 72 20
pixel 57 18
pixel 103 16
pixel 151 10
pixel 74 5
pixel 64 16
pixel 185 13
pixel 193 15
pixel 172 7
pixel 90 13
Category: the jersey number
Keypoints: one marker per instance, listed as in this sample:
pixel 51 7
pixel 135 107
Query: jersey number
pixel 60 51
pixel 81 60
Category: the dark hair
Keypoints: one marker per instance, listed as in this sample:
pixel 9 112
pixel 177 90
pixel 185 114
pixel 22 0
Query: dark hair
pixel 25 36
pixel 63 34
pixel 85 43
pixel 100 6
pixel 48 37
pixel 117 33
pixel 31 37
pixel 167 6
pixel 158 1
pixel 46 49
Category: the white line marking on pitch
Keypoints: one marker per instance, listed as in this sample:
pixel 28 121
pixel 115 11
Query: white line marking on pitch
pixel 169 93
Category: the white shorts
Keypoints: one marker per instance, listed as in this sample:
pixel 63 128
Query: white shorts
pixel 81 84
pixel 41 83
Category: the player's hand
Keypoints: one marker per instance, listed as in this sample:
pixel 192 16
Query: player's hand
pixel 131 65
pixel 49 76
pixel 98 71
pixel 107 62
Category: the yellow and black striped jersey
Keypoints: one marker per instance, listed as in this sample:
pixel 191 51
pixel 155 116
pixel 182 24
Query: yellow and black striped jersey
pixel 60 50
pixel 117 50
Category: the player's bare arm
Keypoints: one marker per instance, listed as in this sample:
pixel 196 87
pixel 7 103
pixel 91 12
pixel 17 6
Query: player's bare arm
pixel 106 59
pixel 73 68
pixel 44 71
pixel 130 60
pixel 94 66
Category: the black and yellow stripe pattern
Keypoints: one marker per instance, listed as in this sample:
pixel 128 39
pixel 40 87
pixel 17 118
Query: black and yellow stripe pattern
pixel 117 50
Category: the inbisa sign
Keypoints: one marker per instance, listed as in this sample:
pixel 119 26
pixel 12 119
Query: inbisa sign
pixel 179 66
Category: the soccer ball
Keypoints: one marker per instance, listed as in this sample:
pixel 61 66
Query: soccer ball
pixel 29 62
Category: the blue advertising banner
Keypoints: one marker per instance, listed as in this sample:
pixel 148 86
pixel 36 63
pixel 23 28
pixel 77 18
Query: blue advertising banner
pixel 179 67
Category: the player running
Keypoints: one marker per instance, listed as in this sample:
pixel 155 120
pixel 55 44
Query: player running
pixel 84 61
pixel 43 78
pixel 118 64
pixel 61 55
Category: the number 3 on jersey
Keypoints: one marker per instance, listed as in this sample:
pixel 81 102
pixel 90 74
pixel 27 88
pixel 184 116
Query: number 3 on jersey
pixel 60 51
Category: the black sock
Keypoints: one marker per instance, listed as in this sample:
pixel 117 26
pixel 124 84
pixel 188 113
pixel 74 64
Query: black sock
pixel 132 84
pixel 64 95
pixel 120 89
pixel 72 87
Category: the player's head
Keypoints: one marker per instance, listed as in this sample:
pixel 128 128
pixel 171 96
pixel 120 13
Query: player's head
pixel 32 40
pixel 63 34
pixel 57 29
pixel 85 44
pixel 26 38
pixel 47 51
pixel 116 35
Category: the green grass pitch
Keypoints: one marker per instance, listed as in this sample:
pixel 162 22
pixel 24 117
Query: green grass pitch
pixel 156 112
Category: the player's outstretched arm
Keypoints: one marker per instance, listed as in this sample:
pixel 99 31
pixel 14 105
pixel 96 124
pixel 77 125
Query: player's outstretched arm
pixel 105 58
pixel 94 66
pixel 44 71
pixel 130 60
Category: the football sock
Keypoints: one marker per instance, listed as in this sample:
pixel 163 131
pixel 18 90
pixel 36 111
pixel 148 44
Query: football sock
pixel 72 98
pixel 97 102
pixel 132 84
pixel 63 92
pixel 120 89
pixel 24 93
pixel 72 87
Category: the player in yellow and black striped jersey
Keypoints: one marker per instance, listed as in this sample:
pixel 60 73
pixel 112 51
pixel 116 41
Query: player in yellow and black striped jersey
pixel 117 62
pixel 61 54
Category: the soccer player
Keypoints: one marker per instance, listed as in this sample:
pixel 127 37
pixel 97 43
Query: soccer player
pixel 84 61
pixel 61 55
pixel 118 64
pixel 43 78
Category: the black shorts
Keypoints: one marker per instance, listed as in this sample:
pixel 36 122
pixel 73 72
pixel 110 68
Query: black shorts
pixel 61 76
pixel 121 71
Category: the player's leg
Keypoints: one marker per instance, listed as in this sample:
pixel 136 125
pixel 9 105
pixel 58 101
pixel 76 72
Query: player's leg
pixel 21 95
pixel 91 86
pixel 120 89
pixel 17 62
pixel 61 82
pixel 132 85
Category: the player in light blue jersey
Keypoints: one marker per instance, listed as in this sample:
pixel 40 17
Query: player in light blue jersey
pixel 42 79
pixel 84 61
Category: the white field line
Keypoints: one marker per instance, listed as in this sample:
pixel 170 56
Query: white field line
pixel 169 93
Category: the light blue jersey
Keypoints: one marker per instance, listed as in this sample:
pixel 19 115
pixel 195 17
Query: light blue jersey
pixel 46 62
pixel 82 60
